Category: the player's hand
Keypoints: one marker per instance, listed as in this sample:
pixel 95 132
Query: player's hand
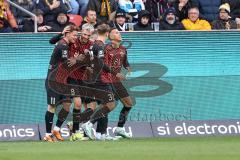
pixel 129 71
pixel 89 70
pixel 86 51
pixel 71 62
pixel 66 30
pixel 80 57
pixel 120 76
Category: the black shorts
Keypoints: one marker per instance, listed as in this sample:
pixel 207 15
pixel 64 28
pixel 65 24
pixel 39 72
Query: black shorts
pixel 119 90
pixel 79 83
pixel 102 96
pixel 54 98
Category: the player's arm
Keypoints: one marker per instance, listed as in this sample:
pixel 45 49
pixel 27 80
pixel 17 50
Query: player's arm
pixel 55 38
pixel 98 53
pixel 126 64
pixel 59 36
pixel 62 52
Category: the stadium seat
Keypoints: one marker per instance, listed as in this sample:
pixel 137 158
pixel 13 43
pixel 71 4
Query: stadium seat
pixel 76 19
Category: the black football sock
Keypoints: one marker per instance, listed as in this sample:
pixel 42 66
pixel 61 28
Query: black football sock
pixel 123 116
pixel 85 115
pixel 76 119
pixel 102 124
pixel 49 121
pixel 101 112
pixel 62 116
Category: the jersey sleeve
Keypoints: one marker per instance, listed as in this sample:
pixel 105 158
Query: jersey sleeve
pixel 125 61
pixel 55 38
pixel 62 52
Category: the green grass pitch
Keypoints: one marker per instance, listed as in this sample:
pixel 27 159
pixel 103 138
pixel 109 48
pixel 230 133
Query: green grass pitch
pixel 200 148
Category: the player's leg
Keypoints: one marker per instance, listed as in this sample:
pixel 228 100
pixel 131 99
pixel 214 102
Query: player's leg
pixel 101 112
pixel 126 100
pixel 52 99
pixel 62 116
pixel 48 123
pixel 76 134
pixel 76 113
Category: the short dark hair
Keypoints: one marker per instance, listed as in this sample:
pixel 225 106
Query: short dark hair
pixel 103 28
pixel 113 28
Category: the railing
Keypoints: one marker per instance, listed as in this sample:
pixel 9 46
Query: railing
pixel 27 12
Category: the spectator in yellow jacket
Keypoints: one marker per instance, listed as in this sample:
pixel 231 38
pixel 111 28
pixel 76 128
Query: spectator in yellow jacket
pixel 193 22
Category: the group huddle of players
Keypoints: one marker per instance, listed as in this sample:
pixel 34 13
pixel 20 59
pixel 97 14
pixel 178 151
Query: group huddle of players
pixel 85 71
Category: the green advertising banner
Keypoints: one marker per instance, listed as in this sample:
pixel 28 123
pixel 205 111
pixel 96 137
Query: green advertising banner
pixel 176 76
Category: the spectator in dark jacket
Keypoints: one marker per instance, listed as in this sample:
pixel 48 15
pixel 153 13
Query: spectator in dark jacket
pixel 91 18
pixel 224 21
pixel 235 9
pixel 157 8
pixel 51 8
pixel 61 21
pixel 119 22
pixel 170 21
pixel 208 9
pixel 144 21
pixel 20 15
pixel 104 9
pixel 182 7
pixel 28 24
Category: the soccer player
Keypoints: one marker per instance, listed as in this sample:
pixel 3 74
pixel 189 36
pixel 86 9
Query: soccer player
pixel 97 63
pixel 116 59
pixel 58 58
pixel 77 76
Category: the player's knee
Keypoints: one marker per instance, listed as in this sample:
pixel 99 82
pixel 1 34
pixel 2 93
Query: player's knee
pixel 51 108
pixel 67 106
pixel 128 102
pixel 111 105
pixel 77 103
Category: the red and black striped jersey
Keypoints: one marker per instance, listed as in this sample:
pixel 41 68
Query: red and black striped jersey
pixel 115 58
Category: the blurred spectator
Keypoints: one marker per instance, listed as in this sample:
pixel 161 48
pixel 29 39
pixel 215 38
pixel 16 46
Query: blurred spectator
pixel 105 9
pixel 20 15
pixel 61 21
pixel 144 21
pixel 131 8
pixel 78 7
pixel 182 7
pixel 193 22
pixel 74 6
pixel 235 9
pixel 170 21
pixel 7 20
pixel 157 8
pixel 51 8
pixel 91 18
pixel 224 21
pixel 83 4
pixel 128 6
pixel 28 24
pixel 120 21
pixel 208 9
